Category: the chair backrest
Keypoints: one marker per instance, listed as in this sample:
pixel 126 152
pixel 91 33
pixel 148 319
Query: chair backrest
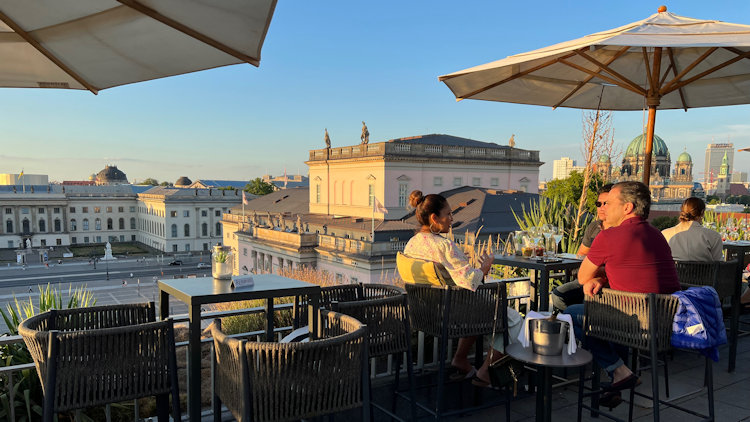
pixel 418 271
pixel 290 381
pixel 130 358
pixel 637 320
pixel 460 312
pixel 721 275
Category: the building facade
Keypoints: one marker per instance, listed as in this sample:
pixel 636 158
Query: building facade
pixel 562 168
pixel 714 159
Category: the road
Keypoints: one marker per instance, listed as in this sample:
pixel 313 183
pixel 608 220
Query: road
pixel 17 283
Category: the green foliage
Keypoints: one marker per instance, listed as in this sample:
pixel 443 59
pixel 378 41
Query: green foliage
pixel 165 183
pixel 664 222
pixel 738 199
pixel 713 199
pixel 258 187
pixel 27 390
pixel 569 190
pixel 150 181
pixel 559 214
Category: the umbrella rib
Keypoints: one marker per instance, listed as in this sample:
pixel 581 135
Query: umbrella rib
pixel 189 31
pixel 603 77
pixel 516 76
pixel 607 69
pixel 649 76
pixel 46 53
pixel 709 71
pixel 673 65
pixel 590 77
pixel 684 72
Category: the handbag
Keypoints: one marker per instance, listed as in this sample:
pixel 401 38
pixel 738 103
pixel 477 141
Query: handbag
pixel 506 371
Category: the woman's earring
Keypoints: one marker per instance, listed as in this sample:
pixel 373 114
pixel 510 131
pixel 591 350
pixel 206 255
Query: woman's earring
pixel 433 231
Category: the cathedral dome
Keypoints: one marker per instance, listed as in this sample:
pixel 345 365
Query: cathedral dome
pixel 183 181
pixel 604 158
pixel 111 175
pixel 638 146
pixel 684 158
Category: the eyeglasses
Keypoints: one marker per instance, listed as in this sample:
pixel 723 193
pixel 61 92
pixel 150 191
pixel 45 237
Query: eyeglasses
pixel 600 204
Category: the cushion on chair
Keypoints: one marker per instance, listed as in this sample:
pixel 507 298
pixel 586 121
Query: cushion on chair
pixel 418 271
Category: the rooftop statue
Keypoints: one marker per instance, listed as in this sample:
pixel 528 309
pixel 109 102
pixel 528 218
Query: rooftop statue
pixel 365 134
pixel 327 139
pixel 512 140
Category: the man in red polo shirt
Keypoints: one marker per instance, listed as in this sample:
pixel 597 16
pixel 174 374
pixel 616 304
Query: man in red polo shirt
pixel 635 257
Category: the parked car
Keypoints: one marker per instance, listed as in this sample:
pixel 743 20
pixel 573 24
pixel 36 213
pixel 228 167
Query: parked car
pixel 204 265
pixel 176 262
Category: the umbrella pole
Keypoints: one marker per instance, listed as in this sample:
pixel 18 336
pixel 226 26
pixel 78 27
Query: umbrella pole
pixel 653 101
pixel 649 144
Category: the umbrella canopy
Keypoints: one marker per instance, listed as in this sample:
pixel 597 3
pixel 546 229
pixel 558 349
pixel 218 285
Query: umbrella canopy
pixel 99 44
pixel 664 61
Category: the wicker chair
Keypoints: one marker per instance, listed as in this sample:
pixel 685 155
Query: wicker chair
pixel 722 276
pixel 99 355
pixel 642 322
pixel 259 381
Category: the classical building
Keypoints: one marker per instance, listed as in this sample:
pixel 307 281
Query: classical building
pixel 665 185
pixel 23 179
pixel 111 175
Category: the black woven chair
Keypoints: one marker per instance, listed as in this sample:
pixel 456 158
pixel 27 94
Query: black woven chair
pixel 722 276
pixel 105 354
pixel 643 323
pixel 259 381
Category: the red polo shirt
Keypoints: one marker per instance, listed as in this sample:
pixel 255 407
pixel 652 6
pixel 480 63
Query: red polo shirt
pixel 637 258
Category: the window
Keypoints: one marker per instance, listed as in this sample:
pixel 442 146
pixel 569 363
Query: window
pixel 132 209
pixel 109 209
pixel 120 209
pixel 244 251
pixel 173 213
pixel 41 210
pixel 494 181
pixel 56 210
pixel 204 229
pixel 132 237
pixel 72 210
pixel 186 213
pixel 524 188
pixel 174 248
pixel 186 229
pixel 109 224
pixel 97 210
pixel 205 246
pixel 85 210
pixel 58 226
pixel 354 280
pixel 43 242
pixel 456 181
pixel 73 240
pixel 26 225
pixel 98 224
pixel 24 210
pixel 121 224
pixel 204 213
pixel 218 213
pixel 98 239
pixel 339 278
pixel 122 238
pixel 402 195
pixel 42 226
pixel 437 181
pixel 86 224
pixel 9 226
pixel 187 247
pixel 476 181
pixel 85 239
pixel 132 223
pixel 317 193
pixel 174 230
pixel 370 195
pixel 218 229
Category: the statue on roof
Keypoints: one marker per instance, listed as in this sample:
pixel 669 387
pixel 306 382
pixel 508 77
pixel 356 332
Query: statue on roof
pixel 365 137
pixel 327 139
pixel 299 224
pixel 512 140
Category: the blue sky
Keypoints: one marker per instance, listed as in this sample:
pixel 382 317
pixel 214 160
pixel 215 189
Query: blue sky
pixel 332 65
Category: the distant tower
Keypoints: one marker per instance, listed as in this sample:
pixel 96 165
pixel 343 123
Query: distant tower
pixel 604 167
pixel 722 183
pixel 683 169
pixel 715 155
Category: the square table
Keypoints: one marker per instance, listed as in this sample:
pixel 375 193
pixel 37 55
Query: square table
pixel 739 248
pixel 541 287
pixel 196 292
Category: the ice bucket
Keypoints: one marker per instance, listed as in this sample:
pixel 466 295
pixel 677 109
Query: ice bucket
pixel 547 336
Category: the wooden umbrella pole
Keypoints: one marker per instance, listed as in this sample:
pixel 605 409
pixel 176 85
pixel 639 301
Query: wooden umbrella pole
pixel 649 144
pixel 653 101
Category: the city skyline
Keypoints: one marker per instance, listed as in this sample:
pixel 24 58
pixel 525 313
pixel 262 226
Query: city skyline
pixel 241 122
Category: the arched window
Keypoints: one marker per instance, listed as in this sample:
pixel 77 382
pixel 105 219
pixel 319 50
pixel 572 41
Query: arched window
pixel 85 223
pixel 9 226
pixel 73 225
pixel 132 223
pixel 174 230
pixel 26 225
pixel 98 224
pixel 187 230
pixel 218 229
pixel 109 224
pixel 57 225
pixel 42 226
pixel 121 224
pixel 204 229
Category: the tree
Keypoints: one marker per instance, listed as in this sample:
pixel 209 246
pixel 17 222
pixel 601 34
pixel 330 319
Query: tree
pixel 165 183
pixel 258 187
pixel 150 181
pixel 568 191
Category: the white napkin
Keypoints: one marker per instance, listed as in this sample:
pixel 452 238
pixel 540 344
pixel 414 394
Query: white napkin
pixel 523 335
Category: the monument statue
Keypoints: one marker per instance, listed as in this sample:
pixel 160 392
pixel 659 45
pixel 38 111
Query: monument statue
pixel 108 253
pixel 299 224
pixel 255 219
pixel 327 139
pixel 512 140
pixel 365 137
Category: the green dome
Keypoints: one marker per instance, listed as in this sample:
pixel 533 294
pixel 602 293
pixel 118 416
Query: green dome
pixel 604 158
pixel 638 146
pixel 684 158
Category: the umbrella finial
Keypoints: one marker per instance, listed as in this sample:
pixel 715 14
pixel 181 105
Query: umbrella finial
pixel 662 9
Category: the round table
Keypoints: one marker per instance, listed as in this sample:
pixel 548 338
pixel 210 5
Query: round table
pixel 545 364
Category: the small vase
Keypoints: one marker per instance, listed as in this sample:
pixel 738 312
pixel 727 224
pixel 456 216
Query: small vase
pixel 222 262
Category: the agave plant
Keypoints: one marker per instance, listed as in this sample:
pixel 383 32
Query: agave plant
pixel 26 389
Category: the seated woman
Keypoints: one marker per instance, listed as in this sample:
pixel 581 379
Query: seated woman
pixel 689 240
pixel 435 218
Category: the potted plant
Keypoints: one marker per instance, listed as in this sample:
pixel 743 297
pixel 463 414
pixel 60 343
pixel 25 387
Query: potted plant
pixel 222 262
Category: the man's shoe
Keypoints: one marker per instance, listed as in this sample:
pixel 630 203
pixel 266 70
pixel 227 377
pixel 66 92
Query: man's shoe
pixel 610 400
pixel 624 384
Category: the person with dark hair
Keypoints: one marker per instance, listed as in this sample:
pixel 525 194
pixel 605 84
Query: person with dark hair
pixel 571 293
pixel 435 218
pixel 689 240
pixel 635 258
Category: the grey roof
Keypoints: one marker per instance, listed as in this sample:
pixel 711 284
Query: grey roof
pixel 212 183
pixel 295 201
pixel 440 139
pixel 289 184
pixel 480 207
pixel 170 192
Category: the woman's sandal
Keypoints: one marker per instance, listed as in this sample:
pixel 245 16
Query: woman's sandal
pixel 478 382
pixel 458 374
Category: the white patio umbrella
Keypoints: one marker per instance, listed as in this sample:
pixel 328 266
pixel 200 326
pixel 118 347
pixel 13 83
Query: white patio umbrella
pixel 665 61
pixel 99 44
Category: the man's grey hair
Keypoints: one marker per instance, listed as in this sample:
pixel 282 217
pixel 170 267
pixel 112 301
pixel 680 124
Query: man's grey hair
pixel 637 194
